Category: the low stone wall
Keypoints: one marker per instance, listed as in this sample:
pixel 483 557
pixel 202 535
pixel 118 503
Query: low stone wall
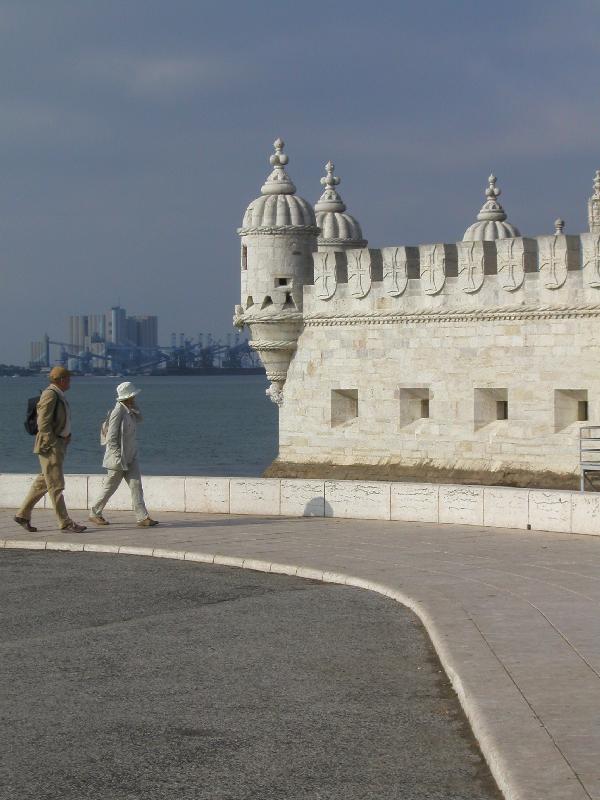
pixel 493 506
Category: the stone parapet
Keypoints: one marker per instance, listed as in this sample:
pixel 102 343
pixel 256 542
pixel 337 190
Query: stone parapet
pixel 483 506
pixel 546 271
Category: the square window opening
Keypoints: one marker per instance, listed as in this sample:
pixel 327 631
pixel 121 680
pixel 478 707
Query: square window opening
pixel 344 406
pixel 489 405
pixel 414 404
pixel 570 406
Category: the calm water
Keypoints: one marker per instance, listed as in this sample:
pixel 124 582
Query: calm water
pixel 213 425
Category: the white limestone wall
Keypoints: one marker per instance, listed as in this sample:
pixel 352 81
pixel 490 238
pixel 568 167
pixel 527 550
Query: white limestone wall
pixel 462 350
pixel 483 506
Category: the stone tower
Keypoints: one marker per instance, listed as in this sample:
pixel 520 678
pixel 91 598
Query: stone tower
pixel 594 206
pixel 278 236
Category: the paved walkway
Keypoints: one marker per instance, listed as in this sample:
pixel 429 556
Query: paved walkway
pixel 513 616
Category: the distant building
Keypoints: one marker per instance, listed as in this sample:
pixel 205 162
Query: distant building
pixel 111 340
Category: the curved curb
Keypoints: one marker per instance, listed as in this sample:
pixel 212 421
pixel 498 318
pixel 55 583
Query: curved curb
pixel 481 723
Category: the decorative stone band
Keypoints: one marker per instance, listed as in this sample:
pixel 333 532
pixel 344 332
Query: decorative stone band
pixel 454 315
pixel 351 242
pixel 276 377
pixel 265 319
pixel 265 344
pixel 281 230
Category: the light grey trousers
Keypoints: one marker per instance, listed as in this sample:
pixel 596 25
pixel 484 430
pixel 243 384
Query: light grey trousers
pixel 110 484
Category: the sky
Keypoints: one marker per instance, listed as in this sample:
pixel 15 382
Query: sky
pixel 134 133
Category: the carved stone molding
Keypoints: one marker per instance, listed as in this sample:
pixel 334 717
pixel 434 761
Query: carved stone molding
pixel 432 267
pixel 325 275
pixel 359 272
pixel 280 230
pixel 511 263
pixel 471 274
pixel 265 319
pixel 395 270
pixel 275 393
pixel 276 376
pixel 265 344
pixel 455 315
pixel 590 243
pixel 554 261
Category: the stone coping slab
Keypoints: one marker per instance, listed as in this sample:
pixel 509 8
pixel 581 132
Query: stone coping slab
pixel 512 615
pixel 488 506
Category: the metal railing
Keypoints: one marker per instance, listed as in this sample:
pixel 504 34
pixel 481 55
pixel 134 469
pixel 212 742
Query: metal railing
pixel 589 452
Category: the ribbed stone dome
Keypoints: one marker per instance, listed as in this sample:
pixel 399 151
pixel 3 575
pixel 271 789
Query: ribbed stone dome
pixel 337 227
pixel 491 221
pixel 278 206
pixel 275 210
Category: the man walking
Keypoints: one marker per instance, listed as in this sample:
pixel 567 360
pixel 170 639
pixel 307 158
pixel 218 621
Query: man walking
pixel 53 436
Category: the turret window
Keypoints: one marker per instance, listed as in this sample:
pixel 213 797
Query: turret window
pixel 282 281
pixel 244 257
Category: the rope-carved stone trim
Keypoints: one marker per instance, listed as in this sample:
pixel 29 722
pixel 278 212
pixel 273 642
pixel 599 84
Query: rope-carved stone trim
pixel 265 344
pixel 281 230
pixel 276 377
pixel 458 315
pixel 354 242
pixel 251 319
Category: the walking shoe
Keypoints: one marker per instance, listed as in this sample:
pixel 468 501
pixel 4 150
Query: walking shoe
pixel 98 519
pixel 147 523
pixel 74 527
pixel 24 523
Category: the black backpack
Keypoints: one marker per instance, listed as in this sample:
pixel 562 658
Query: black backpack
pixel 31 416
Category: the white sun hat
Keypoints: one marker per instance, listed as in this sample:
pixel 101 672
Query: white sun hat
pixel 126 390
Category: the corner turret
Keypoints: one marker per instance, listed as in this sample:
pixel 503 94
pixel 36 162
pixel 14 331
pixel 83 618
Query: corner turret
pixel 278 236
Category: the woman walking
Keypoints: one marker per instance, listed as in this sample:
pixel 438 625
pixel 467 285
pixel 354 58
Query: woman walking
pixel 121 457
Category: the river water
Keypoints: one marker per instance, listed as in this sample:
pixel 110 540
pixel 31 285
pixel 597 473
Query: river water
pixel 193 425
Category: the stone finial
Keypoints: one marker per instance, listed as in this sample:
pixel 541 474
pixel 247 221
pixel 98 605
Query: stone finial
pixel 278 181
pixel 491 221
pixel 594 206
pixel 491 209
pixel 330 199
pixel 559 227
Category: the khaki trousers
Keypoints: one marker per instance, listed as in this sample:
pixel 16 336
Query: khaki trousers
pixel 50 480
pixel 110 484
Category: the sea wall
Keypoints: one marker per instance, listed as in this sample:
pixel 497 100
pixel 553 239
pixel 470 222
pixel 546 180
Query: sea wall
pixel 493 506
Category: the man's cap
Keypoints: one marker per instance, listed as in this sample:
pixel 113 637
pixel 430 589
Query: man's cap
pixel 56 373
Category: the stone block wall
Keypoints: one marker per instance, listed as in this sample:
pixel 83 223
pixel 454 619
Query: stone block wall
pixel 478 356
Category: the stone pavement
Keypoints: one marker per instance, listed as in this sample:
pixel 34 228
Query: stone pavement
pixel 512 614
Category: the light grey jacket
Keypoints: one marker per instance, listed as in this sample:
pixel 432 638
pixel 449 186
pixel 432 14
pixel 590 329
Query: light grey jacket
pixel 121 441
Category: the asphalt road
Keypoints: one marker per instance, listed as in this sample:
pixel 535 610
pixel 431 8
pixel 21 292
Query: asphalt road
pixel 132 678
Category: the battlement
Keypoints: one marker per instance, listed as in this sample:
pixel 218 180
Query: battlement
pixel 554 271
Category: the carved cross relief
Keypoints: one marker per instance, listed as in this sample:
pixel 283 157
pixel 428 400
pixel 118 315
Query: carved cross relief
pixel 325 275
pixel 395 273
pixel 359 272
pixel 511 263
pixel 553 261
pixel 470 266
pixel 591 259
pixel 433 267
